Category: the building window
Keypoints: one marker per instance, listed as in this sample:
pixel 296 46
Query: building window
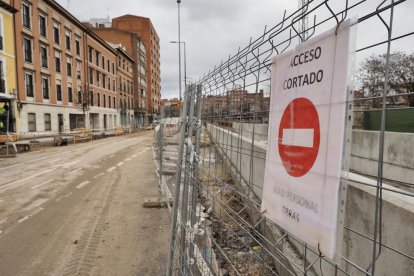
pixel 90 54
pixel 57 61
pixel 27 44
pixel 70 96
pixel 90 76
pixel 113 68
pixel 104 100
pixel 97 58
pixel 31 120
pixel 91 98
pixel 108 66
pixel 1 34
pixel 26 15
pixel 29 84
pixel 77 44
pixel 103 80
pixel 109 83
pixel 99 100
pixel 42 25
pixel 56 32
pixel 113 85
pixel 2 80
pixel 69 66
pixel 80 101
pixel 114 102
pixel 48 124
pixel 78 70
pixel 103 62
pixel 59 90
pixel 45 87
pixel 109 101
pixel 97 78
pixel 67 36
pixel 43 56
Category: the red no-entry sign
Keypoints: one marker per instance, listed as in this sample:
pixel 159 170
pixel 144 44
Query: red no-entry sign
pixel 299 137
pixel 306 142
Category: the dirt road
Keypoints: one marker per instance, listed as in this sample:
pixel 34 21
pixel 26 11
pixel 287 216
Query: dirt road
pixel 77 210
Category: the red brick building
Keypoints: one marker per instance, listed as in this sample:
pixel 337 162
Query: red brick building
pixel 136 49
pixel 141 40
pixel 171 107
pixel 125 80
pixel 101 83
pixel 144 28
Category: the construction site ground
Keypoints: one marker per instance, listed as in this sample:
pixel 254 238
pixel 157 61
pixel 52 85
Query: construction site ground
pixel 77 210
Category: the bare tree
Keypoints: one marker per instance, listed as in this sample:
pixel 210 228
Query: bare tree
pixel 371 77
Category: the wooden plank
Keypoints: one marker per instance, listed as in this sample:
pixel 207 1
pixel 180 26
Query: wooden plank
pixel 156 203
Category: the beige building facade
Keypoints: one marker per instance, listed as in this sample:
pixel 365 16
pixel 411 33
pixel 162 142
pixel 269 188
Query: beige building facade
pixel 55 70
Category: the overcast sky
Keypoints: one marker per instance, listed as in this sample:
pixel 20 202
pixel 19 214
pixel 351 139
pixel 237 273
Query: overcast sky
pixel 213 29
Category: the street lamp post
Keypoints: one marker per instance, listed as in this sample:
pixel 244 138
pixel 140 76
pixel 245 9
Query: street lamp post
pixel 180 154
pixel 185 64
pixel 179 48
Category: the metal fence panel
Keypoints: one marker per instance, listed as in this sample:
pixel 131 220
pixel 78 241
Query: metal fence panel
pixel 212 159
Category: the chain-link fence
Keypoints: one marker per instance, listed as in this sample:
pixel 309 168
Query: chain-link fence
pixel 212 158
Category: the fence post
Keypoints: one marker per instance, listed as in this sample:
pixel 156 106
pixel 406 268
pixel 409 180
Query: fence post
pixel 161 145
pixel 188 165
pixel 197 154
pixel 177 183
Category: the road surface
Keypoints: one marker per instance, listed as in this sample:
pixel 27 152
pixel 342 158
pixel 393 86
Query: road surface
pixel 77 210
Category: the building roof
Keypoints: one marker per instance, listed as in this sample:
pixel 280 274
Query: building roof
pixel 131 15
pixel 119 48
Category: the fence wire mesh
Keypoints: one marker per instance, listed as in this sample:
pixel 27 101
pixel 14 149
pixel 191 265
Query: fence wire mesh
pixel 211 158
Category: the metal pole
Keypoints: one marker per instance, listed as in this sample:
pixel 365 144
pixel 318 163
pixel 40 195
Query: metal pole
pixel 160 147
pixel 378 205
pixel 196 174
pixel 7 127
pixel 185 63
pixel 188 164
pixel 185 66
pixel 179 48
pixel 177 184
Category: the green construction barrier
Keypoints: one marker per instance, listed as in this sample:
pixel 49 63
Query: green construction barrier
pixel 396 120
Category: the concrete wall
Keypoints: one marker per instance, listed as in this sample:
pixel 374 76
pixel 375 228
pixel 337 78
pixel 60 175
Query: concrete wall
pixel 397 231
pixel 398 209
pixel 398 154
pixel 238 151
pixel 247 130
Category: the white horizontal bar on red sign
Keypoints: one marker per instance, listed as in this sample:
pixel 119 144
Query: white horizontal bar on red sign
pixel 299 137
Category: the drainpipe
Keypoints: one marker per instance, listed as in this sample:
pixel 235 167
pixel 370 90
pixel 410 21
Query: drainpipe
pixel 17 102
pixel 85 103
